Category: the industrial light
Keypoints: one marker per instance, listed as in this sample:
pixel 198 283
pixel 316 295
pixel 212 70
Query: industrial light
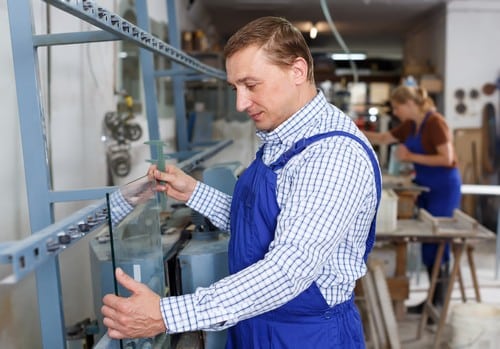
pixel 348 56
pixel 373 111
pixel 313 33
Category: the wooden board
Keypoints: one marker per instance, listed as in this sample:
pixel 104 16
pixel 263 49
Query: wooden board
pixel 386 307
pixel 374 314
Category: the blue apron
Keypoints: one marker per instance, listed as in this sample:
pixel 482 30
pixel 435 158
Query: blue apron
pixel 443 196
pixel 306 321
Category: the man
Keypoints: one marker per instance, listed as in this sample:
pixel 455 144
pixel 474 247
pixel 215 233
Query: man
pixel 302 216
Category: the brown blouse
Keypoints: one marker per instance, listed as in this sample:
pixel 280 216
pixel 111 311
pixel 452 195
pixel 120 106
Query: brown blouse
pixel 435 132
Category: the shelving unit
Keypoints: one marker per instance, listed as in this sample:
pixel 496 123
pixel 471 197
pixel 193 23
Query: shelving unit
pixel 37 253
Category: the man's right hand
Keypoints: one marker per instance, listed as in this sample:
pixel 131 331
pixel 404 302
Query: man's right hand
pixel 174 182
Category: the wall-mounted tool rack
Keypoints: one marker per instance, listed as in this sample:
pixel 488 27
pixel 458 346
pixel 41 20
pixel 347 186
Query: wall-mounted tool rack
pixel 39 252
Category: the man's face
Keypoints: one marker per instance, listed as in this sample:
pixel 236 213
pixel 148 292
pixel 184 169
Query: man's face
pixel 266 92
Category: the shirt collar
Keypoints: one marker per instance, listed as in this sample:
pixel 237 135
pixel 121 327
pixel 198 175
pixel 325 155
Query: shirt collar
pixel 292 128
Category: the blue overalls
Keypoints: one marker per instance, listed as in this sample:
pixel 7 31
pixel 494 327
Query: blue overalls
pixel 443 195
pixel 306 321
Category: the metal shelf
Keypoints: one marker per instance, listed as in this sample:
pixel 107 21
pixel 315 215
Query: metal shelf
pixel 90 12
pixel 39 252
pixel 27 255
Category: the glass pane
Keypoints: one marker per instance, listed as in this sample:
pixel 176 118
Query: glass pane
pixel 136 244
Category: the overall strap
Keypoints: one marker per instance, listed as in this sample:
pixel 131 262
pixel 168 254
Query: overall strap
pixel 302 144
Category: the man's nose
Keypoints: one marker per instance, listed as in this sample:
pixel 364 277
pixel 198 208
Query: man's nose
pixel 242 102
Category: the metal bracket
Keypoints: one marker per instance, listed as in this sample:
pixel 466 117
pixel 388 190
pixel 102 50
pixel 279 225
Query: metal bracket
pixel 90 12
pixel 28 254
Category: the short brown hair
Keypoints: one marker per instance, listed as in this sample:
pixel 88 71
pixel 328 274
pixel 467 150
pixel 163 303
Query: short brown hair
pixel 278 37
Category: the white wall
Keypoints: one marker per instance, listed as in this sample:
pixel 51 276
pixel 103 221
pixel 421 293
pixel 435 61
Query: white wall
pixel 472 56
pixel 245 142
pixel 16 302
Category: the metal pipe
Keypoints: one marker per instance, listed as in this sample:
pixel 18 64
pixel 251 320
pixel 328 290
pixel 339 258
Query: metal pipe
pixel 195 161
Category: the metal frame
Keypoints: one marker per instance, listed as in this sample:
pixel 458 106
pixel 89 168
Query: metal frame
pixel 31 253
pixel 477 189
pixel 39 252
pixel 111 22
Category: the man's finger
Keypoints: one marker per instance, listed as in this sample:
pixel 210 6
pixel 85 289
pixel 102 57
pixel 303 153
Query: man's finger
pixel 160 188
pixel 115 334
pixel 161 176
pixel 110 300
pixel 107 309
pixel 127 282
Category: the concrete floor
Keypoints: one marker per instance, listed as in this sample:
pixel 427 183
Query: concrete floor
pixel 484 257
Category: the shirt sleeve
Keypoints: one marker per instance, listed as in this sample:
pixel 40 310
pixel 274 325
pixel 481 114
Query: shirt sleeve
pixel 119 207
pixel 211 203
pixel 402 131
pixel 326 190
pixel 436 134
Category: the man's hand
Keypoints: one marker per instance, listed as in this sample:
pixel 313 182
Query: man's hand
pixel 138 191
pixel 137 316
pixel 174 182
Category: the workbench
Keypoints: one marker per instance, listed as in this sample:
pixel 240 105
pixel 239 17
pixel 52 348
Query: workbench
pixel 422 230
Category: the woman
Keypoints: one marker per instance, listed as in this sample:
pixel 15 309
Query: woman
pixel 426 141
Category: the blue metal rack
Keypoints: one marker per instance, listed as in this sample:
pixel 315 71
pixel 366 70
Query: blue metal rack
pixel 39 252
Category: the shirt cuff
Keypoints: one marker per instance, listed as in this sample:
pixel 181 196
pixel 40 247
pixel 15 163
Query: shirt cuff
pixel 119 207
pixel 178 313
pixel 201 198
pixel 193 312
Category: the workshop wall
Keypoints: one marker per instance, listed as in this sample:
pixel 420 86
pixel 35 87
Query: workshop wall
pixel 17 302
pixel 81 91
pixel 472 58
pixel 458 45
pixel 425 49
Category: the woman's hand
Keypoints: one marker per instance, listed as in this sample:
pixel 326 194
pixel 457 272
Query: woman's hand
pixel 403 154
pixel 174 182
pixel 444 156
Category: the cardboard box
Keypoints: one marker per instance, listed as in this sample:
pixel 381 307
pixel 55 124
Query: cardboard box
pixel 431 83
pixel 406 203
pixel 388 211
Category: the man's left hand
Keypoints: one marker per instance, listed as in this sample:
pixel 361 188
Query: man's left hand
pixel 137 316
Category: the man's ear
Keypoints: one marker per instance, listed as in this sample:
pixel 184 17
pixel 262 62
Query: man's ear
pixel 299 69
